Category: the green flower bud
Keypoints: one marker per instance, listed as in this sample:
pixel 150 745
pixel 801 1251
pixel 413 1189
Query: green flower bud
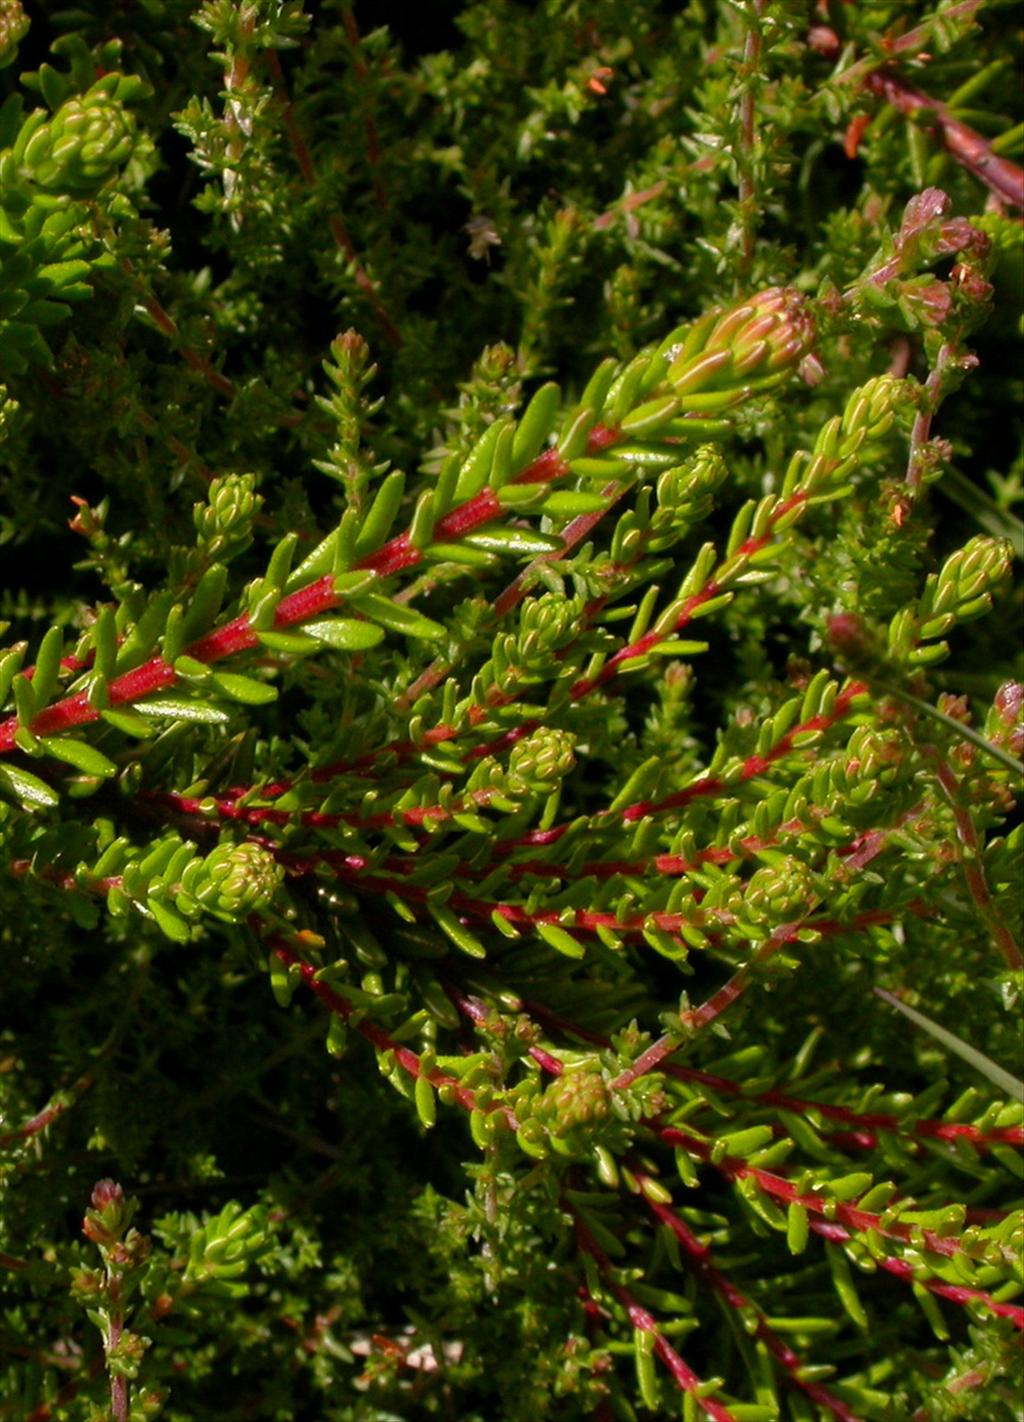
pixel 575 1106
pixel 242 879
pixel 539 763
pixel 75 151
pixel 224 522
pixel 780 893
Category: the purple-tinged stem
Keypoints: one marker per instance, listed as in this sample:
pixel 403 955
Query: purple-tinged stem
pixel 970 149
pixel 684 1377
pixel 700 1257
pixel 902 1269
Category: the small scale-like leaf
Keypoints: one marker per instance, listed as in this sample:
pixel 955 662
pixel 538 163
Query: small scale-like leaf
pixel 129 724
pixel 460 935
pixel 842 1280
pixel 458 553
pixel 560 940
pixel 244 688
pixel 80 754
pixel 514 540
pixel 382 513
pixel 179 709
pixel 169 921
pixel 572 502
pixel 397 618
pixel 796 1228
pixel 346 634
pixel 33 793
pixel 646 1375
pixel 292 644
pixel 426 1103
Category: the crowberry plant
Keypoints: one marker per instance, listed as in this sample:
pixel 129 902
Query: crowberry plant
pixel 510 712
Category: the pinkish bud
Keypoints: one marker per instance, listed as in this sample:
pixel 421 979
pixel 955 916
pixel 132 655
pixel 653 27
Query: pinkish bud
pixel 848 635
pixel 923 207
pixel 959 234
pixel 1010 702
pixel 106 1192
pixel 810 370
pixel 930 303
pixel 955 707
pixel 95 1231
pixel 970 281
pixel 823 40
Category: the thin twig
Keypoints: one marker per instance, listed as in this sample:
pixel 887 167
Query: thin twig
pixel 748 137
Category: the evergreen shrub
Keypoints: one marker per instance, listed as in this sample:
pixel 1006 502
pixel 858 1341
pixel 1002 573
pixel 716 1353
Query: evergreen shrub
pixel 512 711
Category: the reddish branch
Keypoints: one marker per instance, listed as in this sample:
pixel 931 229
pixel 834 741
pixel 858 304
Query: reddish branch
pixel 71 1095
pixel 835 1220
pixel 48 1410
pixel 971 861
pixel 863 1124
pixel 644 645
pixel 369 124
pixel 479 1015
pixel 574 533
pixel 50 1113
pixel 226 807
pixel 834 1211
pixel 902 1269
pixel 912 42
pixel 704 1267
pixel 684 1377
pixel 165 323
pixel 670 866
pixel 312 601
pixel 581 920
pixel 629 204
pixel 753 766
pixel 968 147
pixel 408 1060
pixel 748 134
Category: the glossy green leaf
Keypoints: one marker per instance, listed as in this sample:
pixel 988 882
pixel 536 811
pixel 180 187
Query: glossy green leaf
pixel 33 793
pixel 346 634
pixel 176 708
pixel 397 618
pixel 244 688
pixel 80 754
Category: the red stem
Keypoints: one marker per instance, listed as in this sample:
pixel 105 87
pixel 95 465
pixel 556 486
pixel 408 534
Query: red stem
pixel 912 41
pixel 408 1060
pixel 836 1211
pixel 860 1121
pixel 685 1378
pixel 48 1410
pixel 369 124
pixel 744 152
pixel 165 322
pixel 971 861
pixel 970 149
pixel 583 686
pixel 574 532
pixel 319 597
pixel 700 1257
pixel 902 1269
pixel 922 426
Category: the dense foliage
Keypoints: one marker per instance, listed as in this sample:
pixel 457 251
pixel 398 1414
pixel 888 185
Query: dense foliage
pixel 507 516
